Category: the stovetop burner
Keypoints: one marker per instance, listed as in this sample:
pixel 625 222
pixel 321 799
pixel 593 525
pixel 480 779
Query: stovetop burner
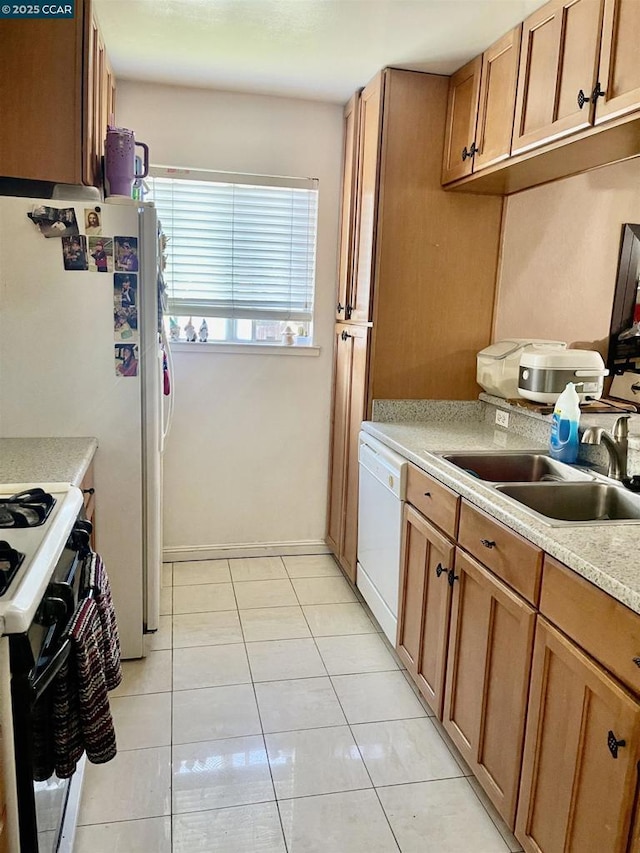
pixel 30 508
pixel 10 562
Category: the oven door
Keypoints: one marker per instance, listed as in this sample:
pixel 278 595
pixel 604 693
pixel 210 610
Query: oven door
pixel 36 659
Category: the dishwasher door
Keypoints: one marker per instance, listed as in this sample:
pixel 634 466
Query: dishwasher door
pixel 380 502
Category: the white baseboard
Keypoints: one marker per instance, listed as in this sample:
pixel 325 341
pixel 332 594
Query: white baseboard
pixel 230 552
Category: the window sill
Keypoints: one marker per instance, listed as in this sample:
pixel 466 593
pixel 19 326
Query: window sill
pixel 242 349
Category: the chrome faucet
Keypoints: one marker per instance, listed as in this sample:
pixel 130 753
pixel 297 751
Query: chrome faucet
pixel 615 443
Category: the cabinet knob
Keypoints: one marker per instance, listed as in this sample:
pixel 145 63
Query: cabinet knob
pixel 614 744
pixel 427 494
pixel 586 99
pixel 488 543
pixel 452 577
pixel 440 570
pixel 348 309
pixel 90 491
pixel 469 152
pixel 344 335
pixel 339 308
pixel 636 661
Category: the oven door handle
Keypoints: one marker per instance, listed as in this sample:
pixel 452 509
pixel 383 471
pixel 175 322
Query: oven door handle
pixel 44 679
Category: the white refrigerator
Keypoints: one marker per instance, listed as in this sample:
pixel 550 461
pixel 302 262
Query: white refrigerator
pixel 64 372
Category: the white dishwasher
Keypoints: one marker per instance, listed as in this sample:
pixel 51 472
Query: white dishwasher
pixel 383 477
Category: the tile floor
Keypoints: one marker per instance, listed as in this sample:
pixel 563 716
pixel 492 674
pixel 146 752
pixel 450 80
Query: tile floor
pixel 271 716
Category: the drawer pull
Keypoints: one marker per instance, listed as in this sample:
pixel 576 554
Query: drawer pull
pixel 440 570
pixel 427 494
pixel 488 543
pixel 90 491
pixel 613 744
pixel 636 661
pixel 452 577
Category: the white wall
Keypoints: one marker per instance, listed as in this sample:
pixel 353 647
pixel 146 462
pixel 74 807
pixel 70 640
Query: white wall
pixel 247 457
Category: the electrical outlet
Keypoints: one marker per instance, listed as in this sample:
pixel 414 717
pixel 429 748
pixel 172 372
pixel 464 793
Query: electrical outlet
pixel 502 418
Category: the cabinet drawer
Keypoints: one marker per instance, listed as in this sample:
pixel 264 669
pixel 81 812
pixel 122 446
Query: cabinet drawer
pixel 605 628
pixel 508 555
pixel 435 501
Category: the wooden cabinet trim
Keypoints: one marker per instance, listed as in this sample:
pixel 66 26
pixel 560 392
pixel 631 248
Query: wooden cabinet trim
pixel 617 40
pixel 349 210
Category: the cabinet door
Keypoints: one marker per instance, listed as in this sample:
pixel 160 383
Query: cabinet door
pixel 462 112
pixel 347 221
pixel 488 664
pixel 424 604
pixel 619 66
pixel 497 100
pixel 558 60
pixel 577 792
pixel 349 402
pixel 366 199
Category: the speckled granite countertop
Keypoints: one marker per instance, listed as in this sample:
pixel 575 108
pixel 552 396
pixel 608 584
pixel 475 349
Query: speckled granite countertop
pixel 45 460
pixel 607 555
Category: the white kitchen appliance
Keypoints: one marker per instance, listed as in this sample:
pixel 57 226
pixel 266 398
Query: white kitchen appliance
pixel 544 373
pixel 382 490
pixel 58 378
pixel 497 365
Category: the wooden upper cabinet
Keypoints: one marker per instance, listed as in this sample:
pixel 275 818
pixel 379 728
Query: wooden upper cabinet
pixel 462 114
pixel 69 110
pixel 619 76
pixel 558 61
pixel 497 100
pixel 366 199
pixel 349 211
pixel 582 747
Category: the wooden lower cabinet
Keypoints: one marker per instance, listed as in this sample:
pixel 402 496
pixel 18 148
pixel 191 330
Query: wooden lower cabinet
pixel 578 790
pixel 489 659
pixel 424 605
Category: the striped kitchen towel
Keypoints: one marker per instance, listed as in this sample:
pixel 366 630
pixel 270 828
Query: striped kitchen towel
pixel 97 579
pixel 82 718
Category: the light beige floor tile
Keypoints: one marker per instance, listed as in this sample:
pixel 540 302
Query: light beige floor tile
pixel 374 696
pixel 142 721
pixel 355 653
pixel 166 601
pixel 214 712
pixel 323 591
pixel 131 836
pixel 312 566
pixel 167 574
pixel 315 761
pixel 508 837
pixel 206 629
pixel 274 623
pixel 161 639
pixel 305 703
pixel 201 572
pixel 147 675
pixel 220 773
pixel 210 666
pixel 351 822
pixel 243 829
pixel 453 749
pixel 284 659
pixel 134 785
pixel 326 620
pixel 440 817
pixel 201 598
pixel 402 751
pixel 278 593
pixel 257 569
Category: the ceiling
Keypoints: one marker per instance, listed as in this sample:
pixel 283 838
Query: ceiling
pixel 316 49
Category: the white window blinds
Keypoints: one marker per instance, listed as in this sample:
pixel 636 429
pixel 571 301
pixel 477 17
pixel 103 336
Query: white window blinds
pixel 239 246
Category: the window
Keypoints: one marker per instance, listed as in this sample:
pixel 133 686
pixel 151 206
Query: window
pixel 240 255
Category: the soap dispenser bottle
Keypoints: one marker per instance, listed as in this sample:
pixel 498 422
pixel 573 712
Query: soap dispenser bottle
pixel 564 441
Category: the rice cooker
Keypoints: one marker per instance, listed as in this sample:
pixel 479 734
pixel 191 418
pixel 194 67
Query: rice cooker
pixel 544 373
pixel 498 364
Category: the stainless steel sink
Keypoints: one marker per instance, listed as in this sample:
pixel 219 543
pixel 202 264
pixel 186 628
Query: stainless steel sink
pixel 576 503
pixel 516 467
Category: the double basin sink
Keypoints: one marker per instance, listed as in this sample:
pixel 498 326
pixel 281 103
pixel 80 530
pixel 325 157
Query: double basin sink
pixel 558 493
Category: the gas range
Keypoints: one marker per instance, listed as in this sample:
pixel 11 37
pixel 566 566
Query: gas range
pixel 41 546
